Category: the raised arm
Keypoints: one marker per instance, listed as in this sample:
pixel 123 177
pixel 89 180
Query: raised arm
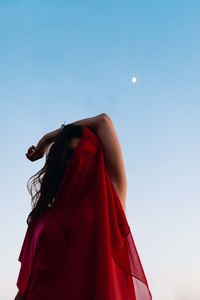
pixel 103 126
pixel 113 157
pixel 38 151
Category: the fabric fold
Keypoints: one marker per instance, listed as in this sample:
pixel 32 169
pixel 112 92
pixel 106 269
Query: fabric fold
pixel 82 247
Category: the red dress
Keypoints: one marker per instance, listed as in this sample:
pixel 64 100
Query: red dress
pixel 82 247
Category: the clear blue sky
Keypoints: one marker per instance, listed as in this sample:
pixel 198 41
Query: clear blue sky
pixel 67 60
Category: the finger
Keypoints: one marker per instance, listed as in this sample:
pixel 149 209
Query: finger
pixel 30 149
pixel 29 158
pixel 34 155
pixel 31 153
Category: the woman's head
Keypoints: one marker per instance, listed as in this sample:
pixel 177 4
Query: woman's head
pixel 43 185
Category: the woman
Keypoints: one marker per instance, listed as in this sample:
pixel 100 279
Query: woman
pixel 78 244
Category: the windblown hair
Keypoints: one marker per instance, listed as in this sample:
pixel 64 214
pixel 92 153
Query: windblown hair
pixel 43 185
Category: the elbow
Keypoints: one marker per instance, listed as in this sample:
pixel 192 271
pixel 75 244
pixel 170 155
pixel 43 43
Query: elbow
pixel 104 121
pixel 105 117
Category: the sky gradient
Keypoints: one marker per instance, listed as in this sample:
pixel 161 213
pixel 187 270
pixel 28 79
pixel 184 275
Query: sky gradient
pixel 62 61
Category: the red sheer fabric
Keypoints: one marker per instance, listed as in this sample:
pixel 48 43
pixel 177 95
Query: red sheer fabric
pixel 82 247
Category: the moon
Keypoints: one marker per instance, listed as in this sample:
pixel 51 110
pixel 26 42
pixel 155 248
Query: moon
pixel 134 79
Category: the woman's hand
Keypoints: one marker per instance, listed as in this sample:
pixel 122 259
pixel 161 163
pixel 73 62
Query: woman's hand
pixel 35 153
pixel 39 151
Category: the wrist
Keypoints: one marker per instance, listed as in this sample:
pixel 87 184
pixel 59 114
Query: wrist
pixel 50 137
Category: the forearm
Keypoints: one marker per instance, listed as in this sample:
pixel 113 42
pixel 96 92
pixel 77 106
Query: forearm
pixel 51 136
pixel 91 122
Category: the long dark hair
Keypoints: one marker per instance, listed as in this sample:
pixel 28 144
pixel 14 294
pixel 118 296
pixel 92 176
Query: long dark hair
pixel 43 185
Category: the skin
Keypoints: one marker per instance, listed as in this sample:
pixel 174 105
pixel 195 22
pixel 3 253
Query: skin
pixel 113 158
pixel 103 127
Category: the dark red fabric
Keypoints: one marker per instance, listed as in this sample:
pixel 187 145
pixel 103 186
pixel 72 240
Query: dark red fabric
pixel 82 247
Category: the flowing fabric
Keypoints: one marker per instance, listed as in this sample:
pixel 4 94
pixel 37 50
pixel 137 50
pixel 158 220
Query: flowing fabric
pixel 82 247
